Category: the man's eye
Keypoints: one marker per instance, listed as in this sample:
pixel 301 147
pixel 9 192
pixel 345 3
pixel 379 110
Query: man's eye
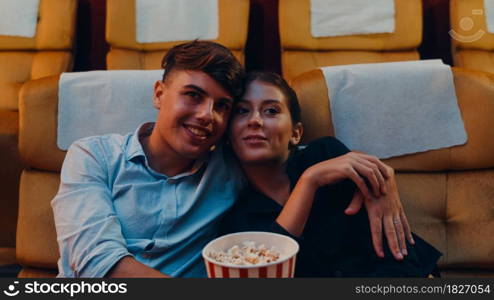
pixel 193 94
pixel 222 106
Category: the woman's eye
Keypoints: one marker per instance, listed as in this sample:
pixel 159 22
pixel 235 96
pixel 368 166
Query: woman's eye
pixel 271 111
pixel 241 111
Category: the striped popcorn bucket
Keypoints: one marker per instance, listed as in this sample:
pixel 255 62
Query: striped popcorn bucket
pixel 284 267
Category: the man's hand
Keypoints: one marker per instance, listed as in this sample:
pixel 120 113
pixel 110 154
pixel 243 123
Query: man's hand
pixel 386 211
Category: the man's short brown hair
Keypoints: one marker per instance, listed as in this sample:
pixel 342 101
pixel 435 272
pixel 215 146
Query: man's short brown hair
pixel 211 58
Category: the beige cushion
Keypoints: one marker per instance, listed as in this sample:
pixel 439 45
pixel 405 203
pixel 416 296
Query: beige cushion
pixel 127 53
pixel 55 29
pixel 38 123
pixel 451 211
pixel 301 52
pixel 124 59
pixel 423 198
pixel 19 67
pixel 294 20
pixel 480 60
pixel 296 62
pixel 47 53
pixel 36 236
pixel 121 28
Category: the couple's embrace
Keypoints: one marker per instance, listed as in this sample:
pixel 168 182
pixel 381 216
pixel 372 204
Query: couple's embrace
pixel 224 155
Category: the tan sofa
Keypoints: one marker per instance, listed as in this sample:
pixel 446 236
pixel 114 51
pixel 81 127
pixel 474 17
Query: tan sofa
pixel 127 54
pixel 448 193
pixel 472 44
pixel 23 59
pixel 301 52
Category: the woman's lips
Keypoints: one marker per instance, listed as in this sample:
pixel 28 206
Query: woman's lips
pixel 254 139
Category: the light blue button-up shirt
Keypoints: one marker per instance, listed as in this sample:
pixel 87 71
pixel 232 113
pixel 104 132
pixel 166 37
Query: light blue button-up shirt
pixel 111 204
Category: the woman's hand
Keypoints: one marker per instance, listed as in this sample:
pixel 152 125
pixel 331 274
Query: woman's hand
pixel 364 170
pixel 355 166
pixel 385 211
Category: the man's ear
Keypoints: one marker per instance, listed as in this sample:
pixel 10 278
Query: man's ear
pixel 159 89
pixel 297 132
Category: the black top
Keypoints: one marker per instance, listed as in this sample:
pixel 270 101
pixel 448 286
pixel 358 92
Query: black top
pixel 332 244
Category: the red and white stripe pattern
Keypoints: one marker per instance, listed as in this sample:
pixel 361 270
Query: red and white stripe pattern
pixel 284 269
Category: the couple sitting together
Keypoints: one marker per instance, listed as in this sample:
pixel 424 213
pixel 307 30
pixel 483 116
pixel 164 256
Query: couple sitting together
pixel 224 155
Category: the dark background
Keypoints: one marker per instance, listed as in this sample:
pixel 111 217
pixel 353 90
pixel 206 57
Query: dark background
pixel 263 44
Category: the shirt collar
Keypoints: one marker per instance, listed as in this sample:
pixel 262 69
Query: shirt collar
pixel 134 149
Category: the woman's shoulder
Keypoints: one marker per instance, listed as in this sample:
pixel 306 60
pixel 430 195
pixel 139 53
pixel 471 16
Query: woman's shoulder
pixel 316 151
pixel 322 148
pixel 328 143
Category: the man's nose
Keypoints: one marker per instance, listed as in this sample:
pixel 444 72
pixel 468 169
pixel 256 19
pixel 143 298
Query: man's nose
pixel 205 111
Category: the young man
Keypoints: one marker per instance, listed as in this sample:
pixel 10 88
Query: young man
pixel 145 204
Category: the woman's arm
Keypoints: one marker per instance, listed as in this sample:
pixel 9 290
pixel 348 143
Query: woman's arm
pixel 385 211
pixel 296 210
pixel 358 167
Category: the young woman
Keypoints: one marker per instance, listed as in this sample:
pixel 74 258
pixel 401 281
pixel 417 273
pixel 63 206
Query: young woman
pixel 304 191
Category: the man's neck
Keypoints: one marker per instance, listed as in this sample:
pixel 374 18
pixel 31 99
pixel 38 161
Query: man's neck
pixel 162 158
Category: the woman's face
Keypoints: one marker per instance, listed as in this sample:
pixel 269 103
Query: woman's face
pixel 261 129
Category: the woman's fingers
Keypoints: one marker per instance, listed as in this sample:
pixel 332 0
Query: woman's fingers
pixel 378 175
pixel 356 203
pixel 355 177
pixel 390 231
pixel 377 236
pixel 383 169
pixel 406 226
pixel 368 173
pixel 400 234
pixel 379 169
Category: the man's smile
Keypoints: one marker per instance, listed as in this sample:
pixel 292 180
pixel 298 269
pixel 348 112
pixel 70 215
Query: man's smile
pixel 198 132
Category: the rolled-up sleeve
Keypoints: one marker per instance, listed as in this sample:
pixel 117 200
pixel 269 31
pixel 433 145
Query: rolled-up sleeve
pixel 89 234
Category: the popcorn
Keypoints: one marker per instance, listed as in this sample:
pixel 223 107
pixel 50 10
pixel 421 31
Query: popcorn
pixel 247 254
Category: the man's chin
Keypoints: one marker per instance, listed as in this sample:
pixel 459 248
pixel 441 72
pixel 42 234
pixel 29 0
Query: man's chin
pixel 195 153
